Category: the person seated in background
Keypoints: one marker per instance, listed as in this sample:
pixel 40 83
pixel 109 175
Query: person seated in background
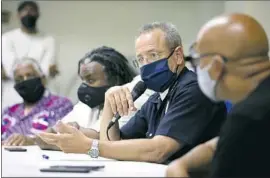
pixel 238 69
pixel 172 121
pixel 99 70
pixel 27 41
pixel 39 110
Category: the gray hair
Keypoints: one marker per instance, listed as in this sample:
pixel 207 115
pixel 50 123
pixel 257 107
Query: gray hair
pixel 172 35
pixel 27 61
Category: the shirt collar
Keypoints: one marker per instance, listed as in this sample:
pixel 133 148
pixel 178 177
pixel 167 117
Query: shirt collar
pixel 164 94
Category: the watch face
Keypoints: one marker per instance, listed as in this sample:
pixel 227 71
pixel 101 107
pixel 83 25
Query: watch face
pixel 94 153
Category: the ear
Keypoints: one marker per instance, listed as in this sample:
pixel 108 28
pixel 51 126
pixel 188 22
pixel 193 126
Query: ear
pixel 179 55
pixel 217 67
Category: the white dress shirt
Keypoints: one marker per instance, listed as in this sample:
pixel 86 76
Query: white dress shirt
pixel 17 44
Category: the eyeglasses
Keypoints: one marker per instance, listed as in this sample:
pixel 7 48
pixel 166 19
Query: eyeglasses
pixel 195 58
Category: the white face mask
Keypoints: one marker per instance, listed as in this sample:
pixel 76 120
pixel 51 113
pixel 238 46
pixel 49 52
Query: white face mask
pixel 206 84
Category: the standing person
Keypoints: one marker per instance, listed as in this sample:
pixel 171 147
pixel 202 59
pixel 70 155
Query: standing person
pixel 233 64
pixel 26 41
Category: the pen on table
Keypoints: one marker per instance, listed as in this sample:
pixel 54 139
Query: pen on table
pixel 45 157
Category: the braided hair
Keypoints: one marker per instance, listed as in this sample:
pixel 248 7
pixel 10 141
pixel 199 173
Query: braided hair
pixel 117 68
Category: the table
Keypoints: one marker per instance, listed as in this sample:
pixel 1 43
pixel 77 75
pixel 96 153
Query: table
pixel 22 164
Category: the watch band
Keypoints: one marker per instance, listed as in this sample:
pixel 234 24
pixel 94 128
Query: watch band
pixel 95 144
pixel 94 150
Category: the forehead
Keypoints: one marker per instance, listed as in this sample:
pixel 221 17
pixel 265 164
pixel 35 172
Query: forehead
pixel 30 8
pixel 93 68
pixel 23 69
pixel 152 40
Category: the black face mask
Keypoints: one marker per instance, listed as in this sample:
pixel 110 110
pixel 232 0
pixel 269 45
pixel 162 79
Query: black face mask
pixel 30 90
pixel 92 96
pixel 29 21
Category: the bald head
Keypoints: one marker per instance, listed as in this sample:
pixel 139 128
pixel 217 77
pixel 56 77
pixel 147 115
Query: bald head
pixel 234 36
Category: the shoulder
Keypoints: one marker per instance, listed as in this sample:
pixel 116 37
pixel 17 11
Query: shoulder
pixel 10 34
pixel 187 78
pixel 255 106
pixel 11 109
pixel 188 86
pixel 55 100
pixel 189 93
pixel 46 36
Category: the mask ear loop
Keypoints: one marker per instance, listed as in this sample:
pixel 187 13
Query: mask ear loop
pixel 221 75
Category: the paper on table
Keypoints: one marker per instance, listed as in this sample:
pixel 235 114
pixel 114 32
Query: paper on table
pixel 61 156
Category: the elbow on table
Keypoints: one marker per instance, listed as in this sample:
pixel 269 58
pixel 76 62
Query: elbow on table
pixel 156 155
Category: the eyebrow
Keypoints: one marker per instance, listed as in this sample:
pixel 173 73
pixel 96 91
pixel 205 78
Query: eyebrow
pixel 150 50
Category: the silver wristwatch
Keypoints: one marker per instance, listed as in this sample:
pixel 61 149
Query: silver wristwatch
pixel 94 151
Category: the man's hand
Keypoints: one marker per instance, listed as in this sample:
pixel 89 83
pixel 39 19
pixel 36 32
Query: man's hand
pixel 120 100
pixel 177 169
pixel 44 145
pixel 53 71
pixel 69 139
pixel 18 140
pixel 74 124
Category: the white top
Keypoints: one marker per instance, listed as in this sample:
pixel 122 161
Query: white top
pixel 17 44
pixel 90 118
pixel 84 115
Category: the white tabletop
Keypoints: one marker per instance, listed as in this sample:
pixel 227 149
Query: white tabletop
pixel 20 164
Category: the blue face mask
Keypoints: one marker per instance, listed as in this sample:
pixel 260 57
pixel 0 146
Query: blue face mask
pixel 157 76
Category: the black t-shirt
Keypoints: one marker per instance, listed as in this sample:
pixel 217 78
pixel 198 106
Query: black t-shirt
pixel 244 146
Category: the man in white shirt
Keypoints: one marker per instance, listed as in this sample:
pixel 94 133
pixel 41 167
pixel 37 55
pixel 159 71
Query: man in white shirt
pixel 26 41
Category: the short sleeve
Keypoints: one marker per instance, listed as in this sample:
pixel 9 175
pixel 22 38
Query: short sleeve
pixel 187 116
pixel 136 127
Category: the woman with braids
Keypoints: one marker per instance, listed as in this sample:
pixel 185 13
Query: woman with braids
pixel 99 70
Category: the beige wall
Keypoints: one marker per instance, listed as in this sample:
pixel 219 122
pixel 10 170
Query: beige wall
pixel 80 26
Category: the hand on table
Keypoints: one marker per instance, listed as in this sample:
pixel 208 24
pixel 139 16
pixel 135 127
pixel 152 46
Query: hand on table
pixel 69 139
pixel 44 145
pixel 120 100
pixel 18 140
